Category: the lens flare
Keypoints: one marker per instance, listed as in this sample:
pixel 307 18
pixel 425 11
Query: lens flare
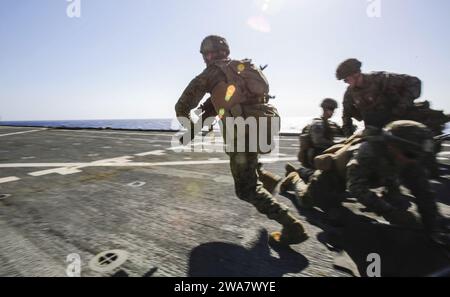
pixel 260 24
pixel 230 92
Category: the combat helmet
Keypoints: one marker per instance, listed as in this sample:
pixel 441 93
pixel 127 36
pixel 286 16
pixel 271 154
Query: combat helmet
pixel 329 103
pixel 214 43
pixel 413 138
pixel 347 68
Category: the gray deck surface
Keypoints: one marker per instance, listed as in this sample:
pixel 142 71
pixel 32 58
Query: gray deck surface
pixel 176 214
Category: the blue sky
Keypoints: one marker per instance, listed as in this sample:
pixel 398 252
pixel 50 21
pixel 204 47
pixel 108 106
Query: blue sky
pixel 132 59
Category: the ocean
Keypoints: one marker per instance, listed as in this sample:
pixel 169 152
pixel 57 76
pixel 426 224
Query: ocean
pixel 136 124
pixel 288 124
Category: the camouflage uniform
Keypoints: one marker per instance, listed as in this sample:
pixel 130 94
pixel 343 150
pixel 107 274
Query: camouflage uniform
pixel 322 134
pixel 383 98
pixel 319 135
pixel 315 139
pixel 243 164
pixel 370 167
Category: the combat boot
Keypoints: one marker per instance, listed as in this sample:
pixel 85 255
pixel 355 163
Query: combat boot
pixel 271 181
pixel 290 168
pixel 294 183
pixel 287 184
pixel 293 231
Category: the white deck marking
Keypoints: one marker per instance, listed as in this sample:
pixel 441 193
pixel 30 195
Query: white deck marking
pixel 136 184
pixel 274 160
pixel 23 132
pixel 28 158
pixel 122 162
pixel 40 165
pixel 212 147
pixel 152 153
pixel 444 154
pixel 217 141
pixel 118 133
pixel 288 148
pixel 115 138
pixel 71 169
pixel 61 171
pixel 8 179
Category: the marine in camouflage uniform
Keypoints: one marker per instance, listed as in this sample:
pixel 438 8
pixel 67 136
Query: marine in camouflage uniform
pixel 321 133
pixel 243 164
pixel 376 98
pixel 397 156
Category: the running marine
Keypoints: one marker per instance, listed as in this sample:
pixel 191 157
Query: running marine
pixel 228 79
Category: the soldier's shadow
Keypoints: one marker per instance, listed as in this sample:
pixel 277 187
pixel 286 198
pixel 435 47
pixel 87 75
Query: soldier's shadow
pixel 404 252
pixel 123 273
pixel 219 259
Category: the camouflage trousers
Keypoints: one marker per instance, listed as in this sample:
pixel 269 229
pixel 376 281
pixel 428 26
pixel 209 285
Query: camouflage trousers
pixel 250 189
pixel 325 190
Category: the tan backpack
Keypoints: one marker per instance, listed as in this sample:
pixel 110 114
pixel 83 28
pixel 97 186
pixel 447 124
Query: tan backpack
pixel 338 156
pixel 246 84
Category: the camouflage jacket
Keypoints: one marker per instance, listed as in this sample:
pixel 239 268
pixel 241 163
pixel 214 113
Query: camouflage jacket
pixel 322 133
pixel 372 167
pixel 197 89
pixel 205 83
pixel 382 98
